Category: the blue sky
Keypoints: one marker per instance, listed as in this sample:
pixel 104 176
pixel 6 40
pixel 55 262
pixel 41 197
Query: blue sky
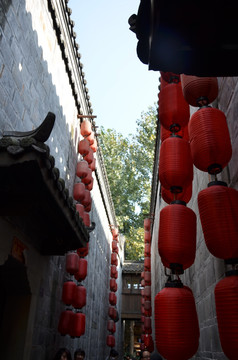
pixel 120 86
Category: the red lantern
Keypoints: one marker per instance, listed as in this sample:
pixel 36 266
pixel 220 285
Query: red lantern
pixel 77 325
pixel 82 270
pixel 147 249
pixel 114 272
pixel 88 208
pixel 111 326
pixel 80 209
pixel 68 292
pixel 142 318
pixel 112 298
pixel 176 322
pixel 147 292
pixel 114 246
pixel 94 146
pixel 90 185
pixel 209 140
pixel 112 312
pixel 147 224
pixel 173 109
pixel 142 274
pixel 147 278
pixel 79 298
pixel 113 285
pixel 142 292
pixel 226 298
pixel 90 138
pixel 89 157
pixel 88 179
pixel 143 282
pixel 83 251
pixel 111 341
pixel 175 166
pixel 148 341
pixel 147 237
pixel 86 127
pixel 114 260
pixel 87 198
pixel 79 192
pixel 199 91
pixel 83 147
pixel 147 305
pixel 177 236
pixel 185 195
pixel 148 313
pixel 93 165
pixel 86 219
pixel 218 209
pixel 65 322
pixel 147 322
pixel 82 169
pixel 147 263
pixel 72 263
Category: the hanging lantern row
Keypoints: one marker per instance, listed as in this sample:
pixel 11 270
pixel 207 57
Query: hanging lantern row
pixel 112 311
pixel 218 204
pixel 72 322
pixel 176 323
pixel 146 309
pixel 84 171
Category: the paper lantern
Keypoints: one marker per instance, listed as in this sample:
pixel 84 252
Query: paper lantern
pixel 111 326
pixel 176 322
pixel 85 127
pixel 114 260
pixel 82 270
pixel 226 298
pixel 113 285
pixel 111 341
pixel 177 236
pixel 83 251
pixel 147 224
pixel 175 165
pixel 173 109
pixel 147 265
pixel 68 292
pixel 72 263
pixel 83 147
pixel 218 209
pixel 80 209
pixel 79 192
pixel 79 297
pixel 199 91
pixel 77 325
pixel 147 236
pixel 147 249
pixel 112 298
pixel 209 140
pixel 82 169
pixel 65 322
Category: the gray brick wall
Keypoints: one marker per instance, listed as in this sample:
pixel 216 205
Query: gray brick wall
pixel 33 81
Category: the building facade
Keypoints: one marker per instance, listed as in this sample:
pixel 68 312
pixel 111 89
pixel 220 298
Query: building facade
pixel 41 73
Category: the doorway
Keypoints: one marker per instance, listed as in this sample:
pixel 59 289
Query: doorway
pixel 15 298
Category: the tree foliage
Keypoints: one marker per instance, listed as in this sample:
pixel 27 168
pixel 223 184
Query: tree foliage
pixel 129 163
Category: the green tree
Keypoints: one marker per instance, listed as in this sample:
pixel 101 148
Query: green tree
pixel 129 163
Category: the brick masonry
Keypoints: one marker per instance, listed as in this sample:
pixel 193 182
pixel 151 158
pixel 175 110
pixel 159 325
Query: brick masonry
pixel 33 81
